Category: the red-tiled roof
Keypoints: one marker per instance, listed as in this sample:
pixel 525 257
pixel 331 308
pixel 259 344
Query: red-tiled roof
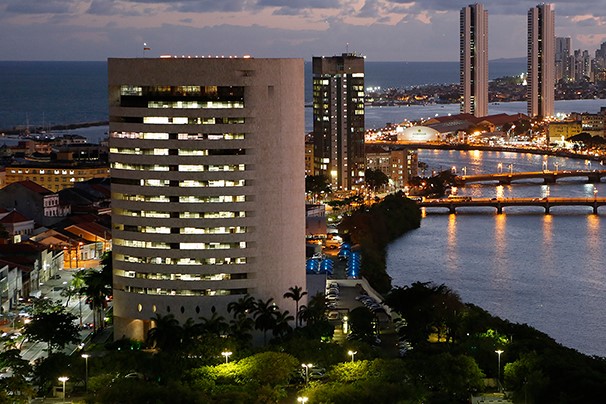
pixel 32 186
pixel 14 217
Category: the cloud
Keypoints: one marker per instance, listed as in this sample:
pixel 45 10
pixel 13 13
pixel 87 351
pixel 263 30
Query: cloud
pixel 41 7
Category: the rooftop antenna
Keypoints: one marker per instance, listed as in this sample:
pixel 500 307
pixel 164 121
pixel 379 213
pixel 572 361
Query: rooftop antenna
pixel 347 47
pixel 145 48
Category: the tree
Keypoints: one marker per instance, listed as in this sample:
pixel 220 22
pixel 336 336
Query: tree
pixel 215 324
pixel 56 328
pixel 375 179
pixel 295 293
pixel 242 306
pixel 265 316
pixel 16 387
pixel 282 324
pixel 98 287
pixel 316 184
pixel 166 333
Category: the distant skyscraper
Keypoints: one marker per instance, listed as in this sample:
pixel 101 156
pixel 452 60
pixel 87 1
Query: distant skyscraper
pixel 207 163
pixel 562 59
pixel 474 60
pixel 338 114
pixel 541 61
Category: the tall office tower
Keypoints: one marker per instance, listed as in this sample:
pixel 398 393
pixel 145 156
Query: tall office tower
pixel 338 114
pixel 207 165
pixel 562 59
pixel 474 60
pixel 541 61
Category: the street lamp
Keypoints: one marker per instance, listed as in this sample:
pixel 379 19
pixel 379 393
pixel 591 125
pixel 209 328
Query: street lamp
pixel 499 352
pixel 227 354
pixel 595 193
pixel 85 356
pixel 500 167
pixel 556 166
pixel 510 168
pixel 464 169
pixel 63 379
pixel 302 399
pixel 547 192
pixel 545 165
pixel 307 366
pixel 352 354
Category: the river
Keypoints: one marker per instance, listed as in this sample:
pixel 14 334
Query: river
pixel 524 266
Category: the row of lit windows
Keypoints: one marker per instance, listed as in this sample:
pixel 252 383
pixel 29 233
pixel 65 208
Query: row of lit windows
pixel 182 246
pixel 222 92
pixel 182 167
pixel 179 152
pixel 43 179
pixel 182 215
pixel 184 230
pixel 177 136
pixel 195 104
pixel 178 277
pixel 181 261
pixel 184 292
pixel 183 120
pixel 164 198
pixel 191 183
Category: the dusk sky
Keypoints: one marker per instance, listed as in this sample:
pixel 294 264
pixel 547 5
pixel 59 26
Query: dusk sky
pixel 382 30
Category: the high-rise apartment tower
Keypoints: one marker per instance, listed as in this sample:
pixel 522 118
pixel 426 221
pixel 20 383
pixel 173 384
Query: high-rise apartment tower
pixel 541 61
pixel 207 165
pixel 338 114
pixel 474 60
pixel 562 59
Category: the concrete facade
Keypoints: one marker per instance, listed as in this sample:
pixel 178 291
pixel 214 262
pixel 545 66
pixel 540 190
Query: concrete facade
pixel 541 61
pixel 207 165
pixel 474 60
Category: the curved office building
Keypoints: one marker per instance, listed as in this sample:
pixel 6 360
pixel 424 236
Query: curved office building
pixel 207 165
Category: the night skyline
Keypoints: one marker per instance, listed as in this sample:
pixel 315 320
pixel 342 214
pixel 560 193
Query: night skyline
pixel 98 29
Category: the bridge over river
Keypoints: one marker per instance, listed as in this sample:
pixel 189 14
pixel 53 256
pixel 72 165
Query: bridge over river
pixel 548 176
pixel 452 204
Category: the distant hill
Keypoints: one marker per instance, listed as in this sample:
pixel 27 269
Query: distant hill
pixel 522 59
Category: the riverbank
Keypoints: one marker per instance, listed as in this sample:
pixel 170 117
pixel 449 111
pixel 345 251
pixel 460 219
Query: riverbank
pixel 464 146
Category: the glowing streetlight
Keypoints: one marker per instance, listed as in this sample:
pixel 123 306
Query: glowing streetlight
pixel 545 165
pixel 307 366
pixel 63 379
pixel 352 354
pixel 500 167
pixel 547 193
pixel 510 165
pixel 464 169
pixel 302 399
pixel 588 163
pixel 595 193
pixel 227 354
pixel 499 352
pixel 556 166
pixel 85 356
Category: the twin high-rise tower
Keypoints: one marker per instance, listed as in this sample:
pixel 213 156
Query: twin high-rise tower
pixel 474 60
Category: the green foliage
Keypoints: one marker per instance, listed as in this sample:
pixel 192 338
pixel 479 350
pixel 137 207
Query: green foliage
pixel 374 228
pixel 272 368
pixel 455 376
pixel 375 179
pixel 56 328
pixel 316 184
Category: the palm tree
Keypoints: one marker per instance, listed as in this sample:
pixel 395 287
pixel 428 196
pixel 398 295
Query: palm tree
pixel 242 306
pixel 265 316
pixel 215 325
pixel 282 324
pixel 167 333
pixel 315 310
pixel 96 290
pixel 77 282
pixel 295 293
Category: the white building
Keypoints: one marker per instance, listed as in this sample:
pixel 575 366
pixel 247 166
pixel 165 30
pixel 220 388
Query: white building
pixel 207 165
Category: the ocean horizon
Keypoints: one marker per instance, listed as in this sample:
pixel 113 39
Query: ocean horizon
pixel 50 93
